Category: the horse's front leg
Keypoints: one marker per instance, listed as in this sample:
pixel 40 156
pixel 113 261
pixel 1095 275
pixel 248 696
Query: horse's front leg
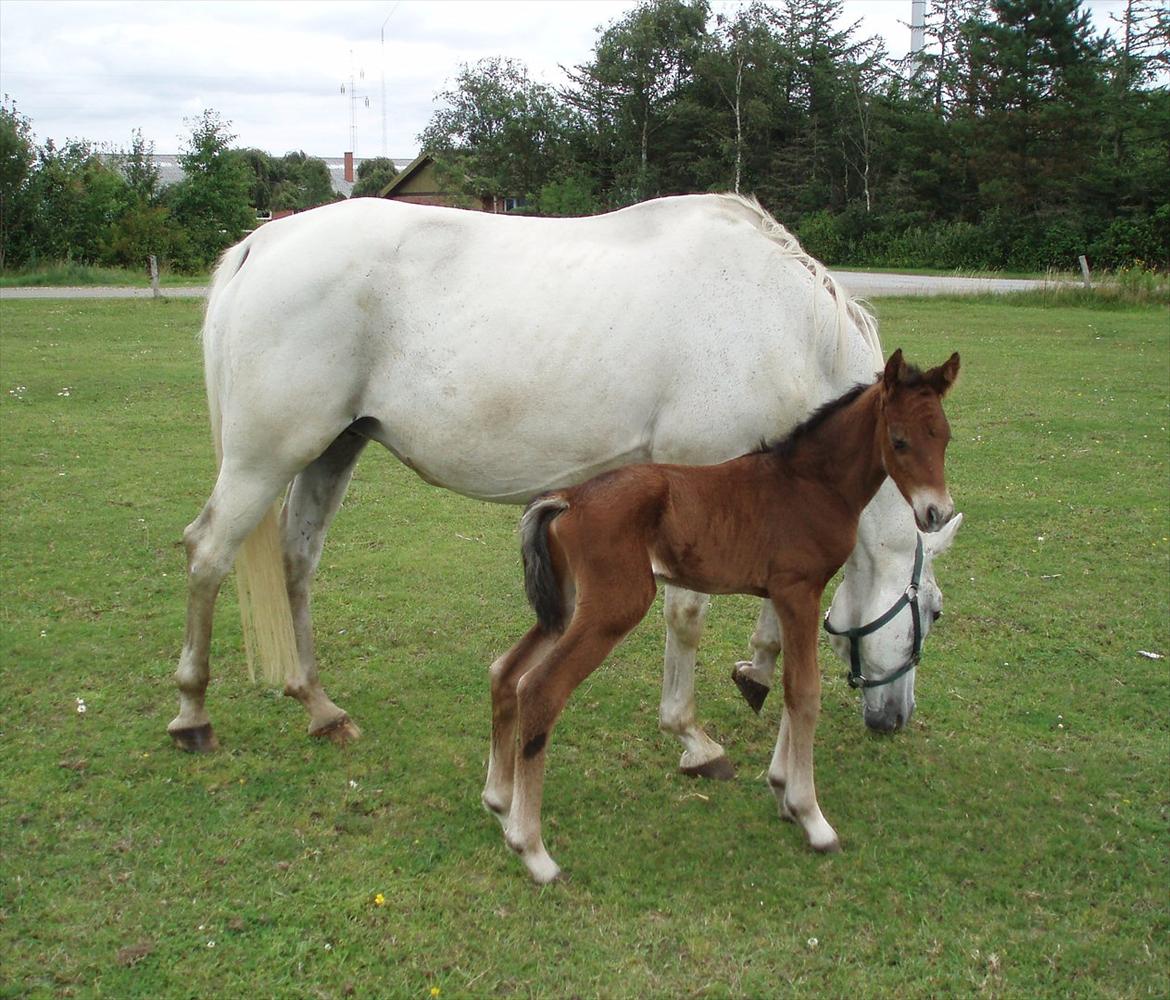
pixel 685 613
pixel 793 783
pixel 313 501
pixel 754 677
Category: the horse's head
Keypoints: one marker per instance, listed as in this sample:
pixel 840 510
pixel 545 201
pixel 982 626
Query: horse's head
pixel 885 607
pixel 913 435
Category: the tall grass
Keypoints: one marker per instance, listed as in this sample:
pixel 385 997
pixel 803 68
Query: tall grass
pixel 67 273
pixel 1011 842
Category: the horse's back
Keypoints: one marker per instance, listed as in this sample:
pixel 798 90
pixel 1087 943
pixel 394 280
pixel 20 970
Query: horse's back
pixel 502 355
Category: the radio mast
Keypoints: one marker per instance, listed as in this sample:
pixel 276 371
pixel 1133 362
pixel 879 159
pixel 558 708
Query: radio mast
pixel 354 97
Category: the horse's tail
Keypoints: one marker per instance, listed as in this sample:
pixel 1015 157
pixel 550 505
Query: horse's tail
pixel 260 581
pixel 540 579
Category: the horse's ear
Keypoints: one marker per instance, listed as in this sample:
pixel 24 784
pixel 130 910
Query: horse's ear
pixel 894 368
pixel 944 376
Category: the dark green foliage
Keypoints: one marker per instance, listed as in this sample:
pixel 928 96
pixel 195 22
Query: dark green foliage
pixel 212 201
pixel 1020 139
pixel 372 176
pixel 500 134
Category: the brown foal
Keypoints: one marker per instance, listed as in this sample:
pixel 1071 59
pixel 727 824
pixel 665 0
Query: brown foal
pixel 776 523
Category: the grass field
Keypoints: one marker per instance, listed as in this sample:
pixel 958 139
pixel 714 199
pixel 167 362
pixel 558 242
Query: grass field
pixel 1012 842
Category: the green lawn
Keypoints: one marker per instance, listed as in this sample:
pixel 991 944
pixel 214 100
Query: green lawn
pixel 1012 842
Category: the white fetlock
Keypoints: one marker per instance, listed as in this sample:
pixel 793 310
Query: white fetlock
pixel 540 866
pixel 495 804
pixel 821 836
pixel 783 808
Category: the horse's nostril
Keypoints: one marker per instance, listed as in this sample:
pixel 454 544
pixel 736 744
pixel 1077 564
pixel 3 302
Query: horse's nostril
pixel 932 516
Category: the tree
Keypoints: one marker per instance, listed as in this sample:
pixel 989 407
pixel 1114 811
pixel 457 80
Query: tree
pixel 372 176
pixel 211 203
pixel 17 158
pixel 636 86
pixel 498 133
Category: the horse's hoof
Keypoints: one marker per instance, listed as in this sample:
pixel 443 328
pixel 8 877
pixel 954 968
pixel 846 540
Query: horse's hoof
pixel 827 847
pixel 719 769
pixel 340 731
pixel 753 692
pixel 197 739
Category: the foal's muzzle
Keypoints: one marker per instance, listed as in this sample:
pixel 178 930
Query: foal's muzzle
pixel 933 514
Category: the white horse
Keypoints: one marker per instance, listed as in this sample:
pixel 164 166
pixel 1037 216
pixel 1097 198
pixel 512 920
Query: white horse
pixel 501 357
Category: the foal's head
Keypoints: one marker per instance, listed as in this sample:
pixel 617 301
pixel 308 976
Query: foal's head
pixel 914 434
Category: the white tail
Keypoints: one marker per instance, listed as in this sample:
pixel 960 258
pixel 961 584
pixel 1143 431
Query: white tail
pixel 263 594
pixel 264 607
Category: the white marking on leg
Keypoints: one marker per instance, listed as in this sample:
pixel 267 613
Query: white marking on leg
pixel 685 613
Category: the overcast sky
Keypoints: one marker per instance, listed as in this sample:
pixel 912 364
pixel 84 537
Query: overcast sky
pixel 97 70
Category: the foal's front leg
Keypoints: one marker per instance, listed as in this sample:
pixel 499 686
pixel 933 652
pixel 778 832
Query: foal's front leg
pixel 791 770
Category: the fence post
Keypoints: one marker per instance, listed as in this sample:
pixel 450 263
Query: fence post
pixel 154 276
pixel 1085 271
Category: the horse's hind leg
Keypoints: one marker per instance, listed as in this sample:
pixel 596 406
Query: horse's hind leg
pixel 312 502
pixel 685 612
pixel 237 504
pixel 754 677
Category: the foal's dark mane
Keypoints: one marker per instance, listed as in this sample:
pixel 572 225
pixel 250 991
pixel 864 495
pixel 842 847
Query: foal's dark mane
pixel 785 446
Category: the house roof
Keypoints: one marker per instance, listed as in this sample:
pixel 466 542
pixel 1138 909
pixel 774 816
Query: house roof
pixel 405 173
pixel 170 171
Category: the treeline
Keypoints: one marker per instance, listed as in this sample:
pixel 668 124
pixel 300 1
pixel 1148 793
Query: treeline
pixel 1020 137
pixel 78 203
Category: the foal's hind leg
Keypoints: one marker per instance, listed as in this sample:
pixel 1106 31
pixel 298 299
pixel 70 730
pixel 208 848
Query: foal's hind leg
pixel 506 673
pixel 754 677
pixel 541 696
pixel 236 506
pixel 313 500
pixel 685 613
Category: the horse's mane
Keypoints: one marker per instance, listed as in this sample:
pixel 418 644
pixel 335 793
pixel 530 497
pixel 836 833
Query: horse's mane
pixel 783 447
pixel 847 308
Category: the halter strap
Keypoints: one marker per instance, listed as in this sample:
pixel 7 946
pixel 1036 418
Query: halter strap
pixel 909 597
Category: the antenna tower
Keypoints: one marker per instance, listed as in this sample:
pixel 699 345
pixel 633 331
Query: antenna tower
pixel 354 97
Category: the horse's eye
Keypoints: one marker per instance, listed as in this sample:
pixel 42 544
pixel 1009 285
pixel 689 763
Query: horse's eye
pixel 901 444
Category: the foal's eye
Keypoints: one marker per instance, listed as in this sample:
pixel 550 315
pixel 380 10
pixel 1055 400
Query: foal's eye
pixel 901 444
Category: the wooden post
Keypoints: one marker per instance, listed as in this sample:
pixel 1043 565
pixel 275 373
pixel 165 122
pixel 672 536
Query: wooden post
pixel 1085 271
pixel 154 276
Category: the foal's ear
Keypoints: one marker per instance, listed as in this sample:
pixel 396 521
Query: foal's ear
pixel 894 369
pixel 944 376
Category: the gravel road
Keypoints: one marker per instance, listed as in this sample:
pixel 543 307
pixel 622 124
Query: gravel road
pixel 858 283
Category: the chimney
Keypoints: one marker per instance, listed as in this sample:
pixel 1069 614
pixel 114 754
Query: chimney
pixel 349 168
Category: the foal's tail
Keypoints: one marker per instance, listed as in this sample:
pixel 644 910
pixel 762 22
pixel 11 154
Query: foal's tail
pixel 540 579
pixel 263 594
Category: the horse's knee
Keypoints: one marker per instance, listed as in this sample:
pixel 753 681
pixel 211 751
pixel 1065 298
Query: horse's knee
pixel 685 615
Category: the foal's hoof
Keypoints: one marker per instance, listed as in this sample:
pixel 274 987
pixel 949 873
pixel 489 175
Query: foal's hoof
pixel 197 739
pixel 719 769
pixel 753 691
pixel 340 731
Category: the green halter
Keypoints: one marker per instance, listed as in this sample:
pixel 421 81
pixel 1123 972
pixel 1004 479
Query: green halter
pixel 910 597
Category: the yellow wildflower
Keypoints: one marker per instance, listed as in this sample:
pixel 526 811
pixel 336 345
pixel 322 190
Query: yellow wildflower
pixel 379 900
